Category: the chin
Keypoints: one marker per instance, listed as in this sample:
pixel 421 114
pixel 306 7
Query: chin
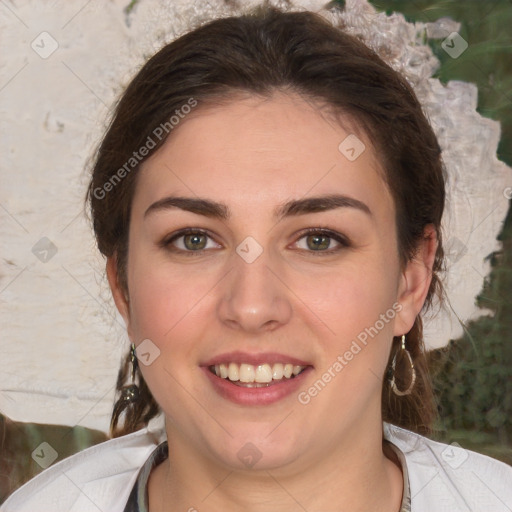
pixel 259 452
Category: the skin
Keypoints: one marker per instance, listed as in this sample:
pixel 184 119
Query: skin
pixel 253 155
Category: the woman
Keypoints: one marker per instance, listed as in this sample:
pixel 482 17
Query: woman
pixel 269 197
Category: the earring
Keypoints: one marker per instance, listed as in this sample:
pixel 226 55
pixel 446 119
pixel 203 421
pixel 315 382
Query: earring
pixel 413 372
pixel 130 393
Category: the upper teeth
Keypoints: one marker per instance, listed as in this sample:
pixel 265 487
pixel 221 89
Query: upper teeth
pixel 259 373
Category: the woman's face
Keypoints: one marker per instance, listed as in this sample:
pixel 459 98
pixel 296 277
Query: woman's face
pixel 272 274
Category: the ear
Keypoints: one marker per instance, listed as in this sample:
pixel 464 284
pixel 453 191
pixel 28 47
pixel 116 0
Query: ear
pixel 118 292
pixel 415 281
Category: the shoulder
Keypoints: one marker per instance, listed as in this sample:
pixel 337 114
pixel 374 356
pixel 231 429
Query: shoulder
pixel 449 478
pixel 99 478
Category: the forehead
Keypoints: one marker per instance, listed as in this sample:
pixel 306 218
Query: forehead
pixel 256 152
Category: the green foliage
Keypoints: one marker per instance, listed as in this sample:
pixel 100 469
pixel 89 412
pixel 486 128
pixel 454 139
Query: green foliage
pixel 19 440
pixel 474 387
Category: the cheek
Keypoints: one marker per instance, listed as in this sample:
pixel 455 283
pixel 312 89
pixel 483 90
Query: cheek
pixel 165 299
pixel 351 297
pixel 359 309
pixel 357 304
pixel 162 299
pixel 168 308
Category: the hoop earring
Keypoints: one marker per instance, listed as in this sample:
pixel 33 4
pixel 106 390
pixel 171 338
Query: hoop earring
pixel 413 372
pixel 131 393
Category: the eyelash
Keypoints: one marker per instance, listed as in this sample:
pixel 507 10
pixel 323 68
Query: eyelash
pixel 342 240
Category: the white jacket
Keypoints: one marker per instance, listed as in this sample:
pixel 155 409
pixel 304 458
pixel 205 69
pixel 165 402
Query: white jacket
pixel 442 478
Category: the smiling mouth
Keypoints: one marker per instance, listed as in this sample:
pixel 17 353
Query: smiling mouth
pixel 256 376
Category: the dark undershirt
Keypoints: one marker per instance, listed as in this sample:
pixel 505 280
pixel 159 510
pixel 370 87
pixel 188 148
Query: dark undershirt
pixel 139 500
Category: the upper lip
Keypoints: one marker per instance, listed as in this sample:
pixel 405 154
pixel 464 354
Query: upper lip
pixel 254 359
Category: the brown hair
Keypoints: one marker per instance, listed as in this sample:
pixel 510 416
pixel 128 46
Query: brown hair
pixel 259 53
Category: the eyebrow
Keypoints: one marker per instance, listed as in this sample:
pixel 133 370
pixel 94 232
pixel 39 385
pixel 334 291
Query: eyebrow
pixel 215 210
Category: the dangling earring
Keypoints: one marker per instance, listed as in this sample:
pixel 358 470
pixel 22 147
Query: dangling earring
pixel 413 372
pixel 131 392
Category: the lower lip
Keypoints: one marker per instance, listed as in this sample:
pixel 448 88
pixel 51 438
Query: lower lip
pixel 255 396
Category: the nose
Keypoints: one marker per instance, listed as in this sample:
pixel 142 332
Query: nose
pixel 253 298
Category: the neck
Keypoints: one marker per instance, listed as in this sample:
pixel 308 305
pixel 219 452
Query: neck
pixel 355 475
